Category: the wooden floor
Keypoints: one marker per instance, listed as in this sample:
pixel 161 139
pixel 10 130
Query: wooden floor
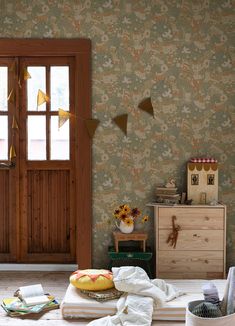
pixel 52 282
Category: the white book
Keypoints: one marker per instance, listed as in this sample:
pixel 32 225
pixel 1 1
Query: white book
pixel 33 294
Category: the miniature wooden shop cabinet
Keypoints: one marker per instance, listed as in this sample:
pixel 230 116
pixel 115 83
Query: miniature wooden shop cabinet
pixel 202 182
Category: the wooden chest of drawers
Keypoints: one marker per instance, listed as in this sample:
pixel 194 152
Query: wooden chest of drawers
pixel 200 249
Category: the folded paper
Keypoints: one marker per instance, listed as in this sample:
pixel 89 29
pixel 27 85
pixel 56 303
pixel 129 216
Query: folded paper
pixel 91 125
pixel 121 122
pixel 146 105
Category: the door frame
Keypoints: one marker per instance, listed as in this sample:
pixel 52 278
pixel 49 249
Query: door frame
pixel 80 50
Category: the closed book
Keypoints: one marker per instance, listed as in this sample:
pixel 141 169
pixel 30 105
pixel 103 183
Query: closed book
pixel 166 191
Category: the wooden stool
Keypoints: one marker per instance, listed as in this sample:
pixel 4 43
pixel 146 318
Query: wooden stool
pixel 134 236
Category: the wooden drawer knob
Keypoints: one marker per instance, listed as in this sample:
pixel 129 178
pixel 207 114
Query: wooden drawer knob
pixel 173 262
pixel 207 218
pixel 206 261
pixel 206 239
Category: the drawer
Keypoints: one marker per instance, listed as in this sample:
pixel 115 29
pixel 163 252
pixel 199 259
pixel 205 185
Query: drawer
pixel 190 262
pixel 193 240
pixel 192 218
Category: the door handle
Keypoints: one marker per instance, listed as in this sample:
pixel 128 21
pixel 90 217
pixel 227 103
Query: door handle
pixel 7 165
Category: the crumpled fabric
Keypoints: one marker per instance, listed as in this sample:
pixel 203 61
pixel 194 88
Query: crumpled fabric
pixel 135 307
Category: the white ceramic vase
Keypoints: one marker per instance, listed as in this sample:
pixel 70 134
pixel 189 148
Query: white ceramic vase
pixel 124 228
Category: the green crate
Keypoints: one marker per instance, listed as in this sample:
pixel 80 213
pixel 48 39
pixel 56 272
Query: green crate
pixel 131 256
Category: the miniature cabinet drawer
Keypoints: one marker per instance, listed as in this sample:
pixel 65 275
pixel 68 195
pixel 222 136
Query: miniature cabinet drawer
pixel 189 218
pixel 192 240
pixel 191 262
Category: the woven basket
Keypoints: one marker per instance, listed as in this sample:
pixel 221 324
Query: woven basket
pixel 193 320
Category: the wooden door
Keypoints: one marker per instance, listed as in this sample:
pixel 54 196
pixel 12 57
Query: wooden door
pixel 45 187
pixel 9 172
pixel 47 166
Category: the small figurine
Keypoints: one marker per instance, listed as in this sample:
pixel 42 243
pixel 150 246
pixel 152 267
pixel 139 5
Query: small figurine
pixel 173 236
pixel 171 184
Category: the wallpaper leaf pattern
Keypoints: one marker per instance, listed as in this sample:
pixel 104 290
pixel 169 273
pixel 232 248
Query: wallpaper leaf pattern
pixel 178 52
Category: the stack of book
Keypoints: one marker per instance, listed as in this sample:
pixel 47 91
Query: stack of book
pixel 29 300
pixel 167 195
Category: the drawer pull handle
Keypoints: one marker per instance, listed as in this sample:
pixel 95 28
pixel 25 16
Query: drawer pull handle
pixel 206 239
pixel 196 236
pixel 173 262
pixel 206 261
pixel 207 218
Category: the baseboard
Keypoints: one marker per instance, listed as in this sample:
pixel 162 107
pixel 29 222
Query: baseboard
pixel 39 267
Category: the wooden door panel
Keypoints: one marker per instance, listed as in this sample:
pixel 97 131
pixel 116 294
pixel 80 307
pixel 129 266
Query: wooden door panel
pixel 4 212
pixel 48 211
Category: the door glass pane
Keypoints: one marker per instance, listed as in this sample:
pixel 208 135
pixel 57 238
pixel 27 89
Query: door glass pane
pixel 3 137
pixel 36 137
pixel 3 88
pixel 60 88
pixel 36 82
pixel 59 140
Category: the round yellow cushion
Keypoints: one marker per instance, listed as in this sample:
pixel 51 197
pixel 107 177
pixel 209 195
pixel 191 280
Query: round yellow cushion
pixel 92 279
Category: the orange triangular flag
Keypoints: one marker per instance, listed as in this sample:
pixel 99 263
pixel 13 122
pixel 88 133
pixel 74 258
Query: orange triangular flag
pixel 26 74
pixel 91 125
pixel 121 122
pixel 14 123
pixel 42 97
pixel 12 152
pixel 146 105
pixel 11 96
pixel 63 117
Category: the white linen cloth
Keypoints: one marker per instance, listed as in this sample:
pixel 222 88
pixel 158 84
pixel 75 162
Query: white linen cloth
pixel 228 302
pixel 135 307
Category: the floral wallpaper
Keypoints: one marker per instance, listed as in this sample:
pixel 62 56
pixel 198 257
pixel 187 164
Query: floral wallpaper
pixel 179 52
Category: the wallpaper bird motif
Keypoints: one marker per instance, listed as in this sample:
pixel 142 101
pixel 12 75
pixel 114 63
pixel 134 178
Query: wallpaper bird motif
pixel 179 52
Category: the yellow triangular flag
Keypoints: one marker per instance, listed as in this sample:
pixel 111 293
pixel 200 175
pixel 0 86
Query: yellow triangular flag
pixel 63 117
pixel 19 83
pixel 11 96
pixel 42 97
pixel 146 105
pixel 12 67
pixel 12 152
pixel 14 123
pixel 91 125
pixel 26 74
pixel 121 122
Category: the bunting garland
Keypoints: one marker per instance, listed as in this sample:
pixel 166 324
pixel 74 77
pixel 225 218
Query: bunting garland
pixel 121 122
pixel 91 125
pixel 14 123
pixel 42 98
pixel 26 74
pixel 11 96
pixel 12 152
pixel 63 116
pixel 146 105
